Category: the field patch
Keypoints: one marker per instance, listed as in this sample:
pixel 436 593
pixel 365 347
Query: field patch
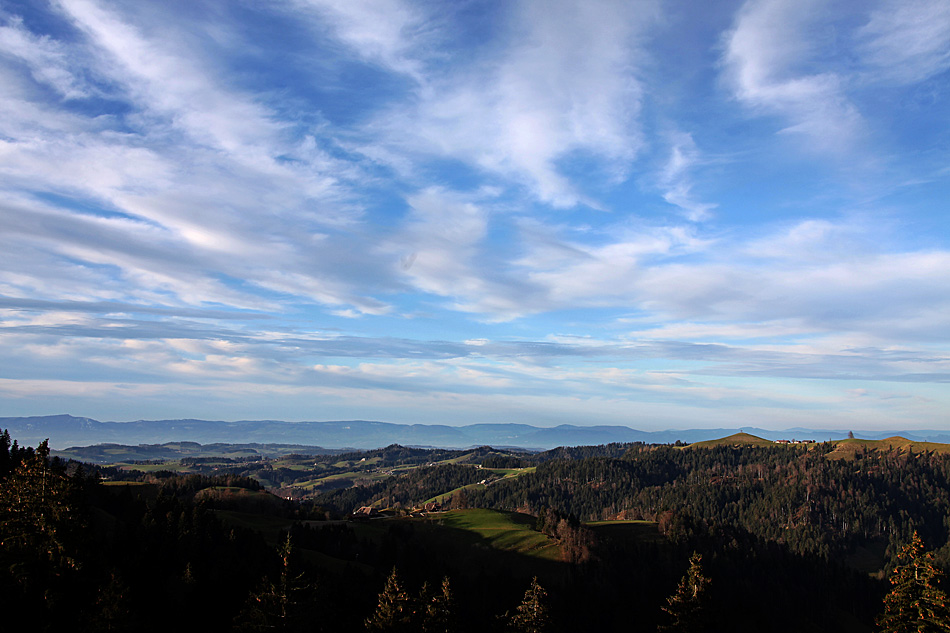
pixel 242 499
pixel 505 531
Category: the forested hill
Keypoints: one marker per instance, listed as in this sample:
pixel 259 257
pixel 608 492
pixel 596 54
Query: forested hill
pixel 591 538
pixel 830 499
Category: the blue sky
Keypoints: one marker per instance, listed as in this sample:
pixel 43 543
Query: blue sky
pixel 658 214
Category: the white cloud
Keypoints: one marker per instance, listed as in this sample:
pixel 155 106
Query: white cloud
pixel 768 59
pixel 572 273
pixel 814 276
pixel 692 331
pixel 200 166
pixel 565 84
pixel 675 179
pixel 171 80
pixel 441 252
pixel 381 31
pixel 890 295
pixel 47 60
pixel 907 41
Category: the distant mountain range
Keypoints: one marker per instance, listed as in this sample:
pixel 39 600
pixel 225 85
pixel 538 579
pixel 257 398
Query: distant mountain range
pixel 64 431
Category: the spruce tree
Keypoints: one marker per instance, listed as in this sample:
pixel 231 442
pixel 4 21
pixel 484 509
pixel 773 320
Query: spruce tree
pixel 685 607
pixel 112 610
pixel 915 603
pixel 6 464
pixel 281 605
pixel 532 615
pixel 40 540
pixel 38 513
pixel 437 609
pixel 394 609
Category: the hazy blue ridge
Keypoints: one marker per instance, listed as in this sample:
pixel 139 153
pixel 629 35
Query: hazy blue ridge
pixel 64 431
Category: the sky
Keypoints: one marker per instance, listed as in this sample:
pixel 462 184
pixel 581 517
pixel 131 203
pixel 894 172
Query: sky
pixel 662 215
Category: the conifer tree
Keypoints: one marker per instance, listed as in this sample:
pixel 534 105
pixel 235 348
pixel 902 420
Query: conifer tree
pixel 281 605
pixel 39 532
pixel 685 607
pixel 915 603
pixel 395 608
pixel 5 461
pixel 437 609
pixel 532 615
pixel 37 512
pixel 112 607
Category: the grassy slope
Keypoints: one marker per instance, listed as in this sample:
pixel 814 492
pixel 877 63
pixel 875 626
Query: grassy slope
pixel 505 531
pixel 493 542
pixel 506 473
pixel 849 449
pixel 739 439
pixel 844 449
